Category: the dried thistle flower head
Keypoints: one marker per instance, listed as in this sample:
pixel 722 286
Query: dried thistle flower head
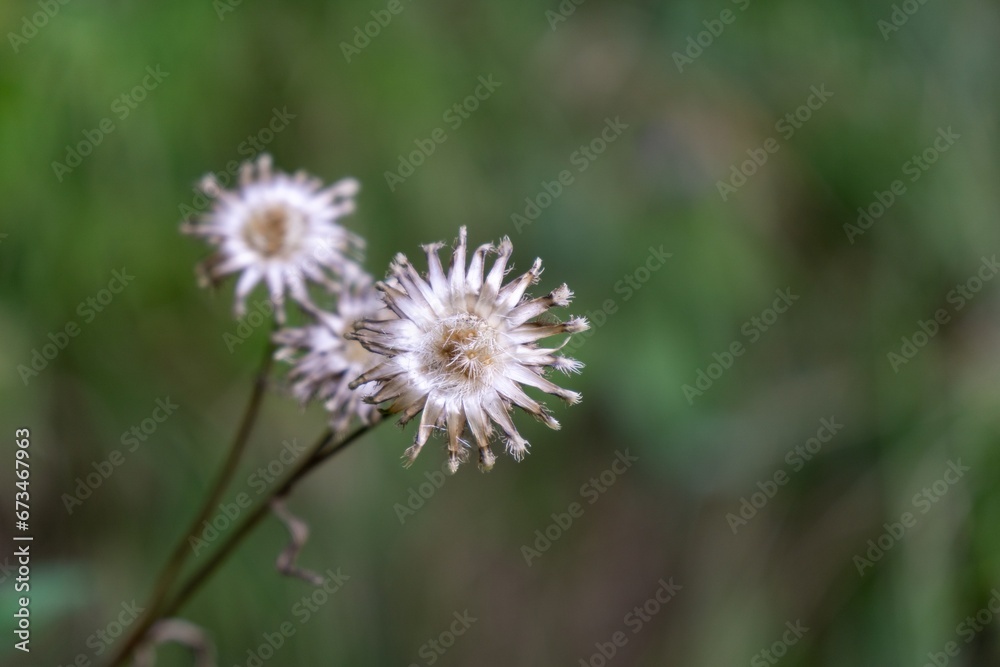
pixel 460 346
pixel 277 228
pixel 324 362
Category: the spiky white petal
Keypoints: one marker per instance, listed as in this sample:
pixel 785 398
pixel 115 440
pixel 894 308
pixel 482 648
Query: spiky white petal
pixel 460 346
pixel 324 362
pixel 278 229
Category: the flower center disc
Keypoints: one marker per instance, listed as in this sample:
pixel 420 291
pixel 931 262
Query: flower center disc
pixel 466 347
pixel 271 231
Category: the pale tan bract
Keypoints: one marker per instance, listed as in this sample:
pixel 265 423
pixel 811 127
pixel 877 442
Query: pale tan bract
pixel 324 361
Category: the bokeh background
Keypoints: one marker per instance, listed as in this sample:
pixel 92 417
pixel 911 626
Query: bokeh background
pixel 655 186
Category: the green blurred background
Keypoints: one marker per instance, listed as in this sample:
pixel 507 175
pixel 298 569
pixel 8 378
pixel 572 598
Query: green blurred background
pixel 655 185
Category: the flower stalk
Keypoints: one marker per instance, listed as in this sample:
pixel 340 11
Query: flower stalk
pixel 457 345
pixel 320 452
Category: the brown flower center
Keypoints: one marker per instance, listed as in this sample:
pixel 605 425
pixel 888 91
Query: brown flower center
pixel 272 231
pixel 467 346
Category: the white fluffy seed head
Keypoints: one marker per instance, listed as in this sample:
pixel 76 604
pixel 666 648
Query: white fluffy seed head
pixel 460 346
pixel 278 229
pixel 324 361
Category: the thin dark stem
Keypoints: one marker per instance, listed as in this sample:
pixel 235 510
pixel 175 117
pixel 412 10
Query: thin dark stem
pixel 180 553
pixel 310 463
pixel 316 456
